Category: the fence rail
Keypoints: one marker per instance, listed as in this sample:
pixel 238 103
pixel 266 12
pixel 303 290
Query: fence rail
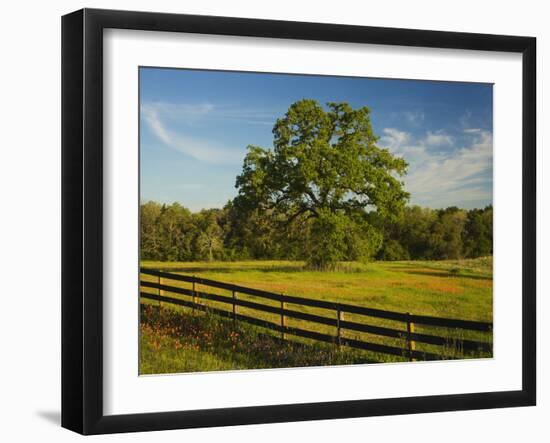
pixel 337 321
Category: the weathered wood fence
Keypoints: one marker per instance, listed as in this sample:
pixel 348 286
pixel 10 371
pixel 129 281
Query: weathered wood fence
pixel 337 320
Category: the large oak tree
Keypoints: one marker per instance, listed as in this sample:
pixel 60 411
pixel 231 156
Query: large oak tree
pixel 325 171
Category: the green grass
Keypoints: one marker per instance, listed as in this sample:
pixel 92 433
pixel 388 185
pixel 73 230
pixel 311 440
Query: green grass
pixel 452 289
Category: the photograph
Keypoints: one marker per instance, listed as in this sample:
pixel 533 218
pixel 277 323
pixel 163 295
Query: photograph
pixel 292 220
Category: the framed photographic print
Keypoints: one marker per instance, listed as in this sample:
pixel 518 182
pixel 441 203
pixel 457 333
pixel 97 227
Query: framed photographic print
pixel 269 221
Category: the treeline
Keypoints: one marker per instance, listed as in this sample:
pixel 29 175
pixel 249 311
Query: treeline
pixel 174 233
pixel 428 234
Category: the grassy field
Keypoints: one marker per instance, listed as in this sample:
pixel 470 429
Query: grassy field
pixel 453 289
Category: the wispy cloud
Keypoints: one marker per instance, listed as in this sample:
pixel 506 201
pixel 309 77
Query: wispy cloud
pixel 187 111
pixel 198 148
pixel 438 139
pixel 456 175
pixel 395 139
pixel 190 113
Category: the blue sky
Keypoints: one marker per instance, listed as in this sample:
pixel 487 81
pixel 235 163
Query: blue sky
pixel 196 125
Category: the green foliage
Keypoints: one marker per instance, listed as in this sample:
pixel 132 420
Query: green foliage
pixel 329 233
pixel 323 170
pixel 393 251
pixel 446 234
pixel 150 236
pixel 478 232
pixel 208 241
pixel 173 233
pixel 164 231
pixel 423 233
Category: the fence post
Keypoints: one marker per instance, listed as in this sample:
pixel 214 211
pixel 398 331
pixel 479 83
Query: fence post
pixel 234 306
pixel 339 318
pixel 283 320
pixel 159 292
pixel 194 294
pixel 410 341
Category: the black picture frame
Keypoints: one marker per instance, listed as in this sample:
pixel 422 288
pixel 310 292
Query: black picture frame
pixel 82 218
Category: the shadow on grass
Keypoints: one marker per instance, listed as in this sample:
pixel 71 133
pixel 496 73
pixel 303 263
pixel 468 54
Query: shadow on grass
pixel 447 274
pixel 229 269
pixel 430 271
pixel 340 268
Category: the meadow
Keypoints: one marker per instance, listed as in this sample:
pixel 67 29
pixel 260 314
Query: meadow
pixel 174 340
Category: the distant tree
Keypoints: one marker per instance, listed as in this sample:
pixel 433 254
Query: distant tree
pixel 209 238
pixel 176 230
pixel 407 236
pixel 393 250
pixel 250 234
pixel 325 169
pixel 150 247
pixel 446 234
pixel 424 233
pixel 478 232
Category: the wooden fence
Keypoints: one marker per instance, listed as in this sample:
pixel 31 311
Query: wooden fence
pixel 409 336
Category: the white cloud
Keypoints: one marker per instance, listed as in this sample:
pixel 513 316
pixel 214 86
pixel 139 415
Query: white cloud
pixel 402 144
pixel 394 138
pixel 438 139
pixel 197 148
pixel 451 176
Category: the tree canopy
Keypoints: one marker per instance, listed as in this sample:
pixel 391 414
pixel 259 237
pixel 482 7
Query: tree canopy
pixel 325 171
